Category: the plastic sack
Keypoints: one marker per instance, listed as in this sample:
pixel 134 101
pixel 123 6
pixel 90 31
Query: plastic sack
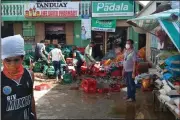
pixel 175 72
pixel 177 111
pixel 167 99
pixel 169 60
pixel 177 102
pixel 167 76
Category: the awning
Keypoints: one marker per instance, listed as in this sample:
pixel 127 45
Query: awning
pixel 151 21
pixel 167 19
pixel 173 32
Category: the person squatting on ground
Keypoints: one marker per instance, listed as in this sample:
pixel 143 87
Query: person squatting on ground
pixel 56 57
pixel 80 59
pixel 17 100
pixel 40 52
pixel 129 66
pixel 88 54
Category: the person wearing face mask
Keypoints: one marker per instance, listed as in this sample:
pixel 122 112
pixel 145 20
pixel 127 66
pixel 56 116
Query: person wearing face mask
pixel 128 73
pixel 17 100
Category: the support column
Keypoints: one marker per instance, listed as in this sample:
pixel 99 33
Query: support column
pixel 105 43
pixel 40 32
pixel 69 27
pixel 18 28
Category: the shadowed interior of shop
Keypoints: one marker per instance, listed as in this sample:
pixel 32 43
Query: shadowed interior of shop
pixel 7 29
pixel 107 41
pixel 55 31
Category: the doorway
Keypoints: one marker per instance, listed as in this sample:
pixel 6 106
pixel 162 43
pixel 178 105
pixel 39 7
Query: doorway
pixel 98 37
pixel 7 30
pixel 55 31
pixel 118 37
pixel 142 41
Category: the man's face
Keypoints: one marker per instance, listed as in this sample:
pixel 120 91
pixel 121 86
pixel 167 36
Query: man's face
pixel 92 45
pixel 129 43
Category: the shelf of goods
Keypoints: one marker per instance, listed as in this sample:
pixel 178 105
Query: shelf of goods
pixel 168 84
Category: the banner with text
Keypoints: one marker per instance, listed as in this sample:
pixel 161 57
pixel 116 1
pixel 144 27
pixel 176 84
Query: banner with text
pixel 52 9
pixel 104 25
pixel 112 8
pixel 86 29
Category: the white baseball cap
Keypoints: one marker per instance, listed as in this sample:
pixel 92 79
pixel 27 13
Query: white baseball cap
pixel 12 46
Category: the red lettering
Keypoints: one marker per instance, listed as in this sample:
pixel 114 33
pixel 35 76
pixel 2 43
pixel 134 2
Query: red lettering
pixel 67 13
pixel 53 13
pixel 44 13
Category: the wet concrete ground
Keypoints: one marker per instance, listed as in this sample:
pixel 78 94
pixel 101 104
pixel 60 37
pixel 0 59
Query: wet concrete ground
pixel 62 103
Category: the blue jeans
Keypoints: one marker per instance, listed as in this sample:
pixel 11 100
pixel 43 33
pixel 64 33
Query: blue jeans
pixel 57 68
pixel 131 87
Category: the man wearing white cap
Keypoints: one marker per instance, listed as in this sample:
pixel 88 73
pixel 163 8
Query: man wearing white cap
pixel 17 100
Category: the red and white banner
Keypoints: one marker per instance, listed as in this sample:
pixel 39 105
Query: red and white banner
pixel 52 9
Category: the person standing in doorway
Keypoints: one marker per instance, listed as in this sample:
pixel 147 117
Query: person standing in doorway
pixel 129 66
pixel 56 56
pixel 17 99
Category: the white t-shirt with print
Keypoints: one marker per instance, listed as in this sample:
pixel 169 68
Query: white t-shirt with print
pixel 56 54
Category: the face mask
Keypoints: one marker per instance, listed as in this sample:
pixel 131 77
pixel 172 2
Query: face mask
pixel 127 46
pixel 13 71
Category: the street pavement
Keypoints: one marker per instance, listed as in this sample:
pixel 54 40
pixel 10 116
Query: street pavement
pixel 60 102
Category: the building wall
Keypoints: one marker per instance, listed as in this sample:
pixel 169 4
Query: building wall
pixel 148 46
pixel 40 31
pixel 134 36
pixel 69 30
pixel 149 10
pixel 131 34
pixel 122 23
pixel 18 28
pixel 77 35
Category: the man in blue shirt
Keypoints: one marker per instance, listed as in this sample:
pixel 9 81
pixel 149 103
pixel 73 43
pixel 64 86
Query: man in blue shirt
pixel 129 66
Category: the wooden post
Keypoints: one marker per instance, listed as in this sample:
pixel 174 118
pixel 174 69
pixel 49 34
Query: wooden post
pixel 105 43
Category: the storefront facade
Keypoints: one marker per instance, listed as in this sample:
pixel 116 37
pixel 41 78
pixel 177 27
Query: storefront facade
pixel 114 13
pixel 65 21
pixel 36 21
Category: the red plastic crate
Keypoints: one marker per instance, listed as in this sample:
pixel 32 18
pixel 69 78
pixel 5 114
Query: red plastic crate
pixel 102 74
pixel 42 87
pixel 81 49
pixel 83 68
pixel 116 73
pixel 89 85
pixel 103 90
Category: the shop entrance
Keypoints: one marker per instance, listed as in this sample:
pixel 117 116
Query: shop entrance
pixel 7 30
pixel 118 37
pixel 98 38
pixel 142 41
pixel 55 31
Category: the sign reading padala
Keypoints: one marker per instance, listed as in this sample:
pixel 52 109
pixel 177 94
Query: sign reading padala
pixel 52 9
